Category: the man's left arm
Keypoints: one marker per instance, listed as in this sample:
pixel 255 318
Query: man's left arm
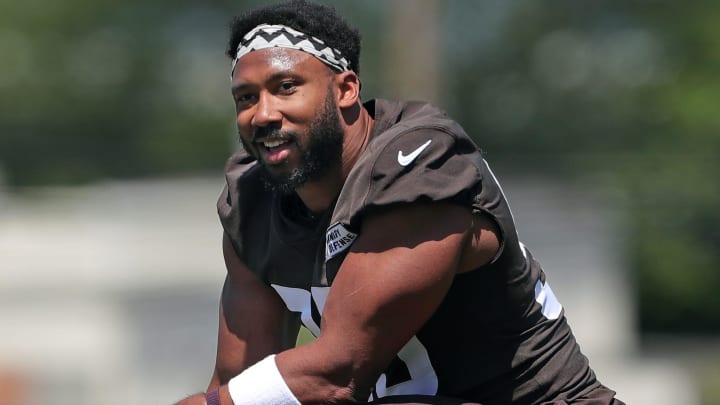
pixel 390 283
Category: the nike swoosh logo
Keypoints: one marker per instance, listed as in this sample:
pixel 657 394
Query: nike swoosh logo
pixel 405 160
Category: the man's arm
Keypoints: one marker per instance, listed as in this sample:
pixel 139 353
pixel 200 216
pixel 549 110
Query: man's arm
pixel 390 283
pixel 394 278
pixel 252 320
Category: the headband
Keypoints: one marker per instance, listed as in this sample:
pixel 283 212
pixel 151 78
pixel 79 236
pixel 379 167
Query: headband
pixel 271 36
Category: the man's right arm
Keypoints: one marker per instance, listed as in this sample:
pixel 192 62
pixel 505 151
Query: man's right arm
pixel 252 320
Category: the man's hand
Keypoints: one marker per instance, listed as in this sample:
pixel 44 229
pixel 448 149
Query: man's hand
pixel 199 399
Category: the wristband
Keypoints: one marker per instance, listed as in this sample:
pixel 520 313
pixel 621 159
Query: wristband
pixel 213 397
pixel 261 384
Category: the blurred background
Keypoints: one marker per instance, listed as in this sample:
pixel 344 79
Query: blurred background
pixel 600 119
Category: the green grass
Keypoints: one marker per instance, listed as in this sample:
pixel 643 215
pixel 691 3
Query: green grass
pixel 710 386
pixel 304 337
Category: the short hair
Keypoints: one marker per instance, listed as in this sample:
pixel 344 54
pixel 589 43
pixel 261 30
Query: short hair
pixel 317 20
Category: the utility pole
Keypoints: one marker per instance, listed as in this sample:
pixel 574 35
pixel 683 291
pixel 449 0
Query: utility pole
pixel 412 54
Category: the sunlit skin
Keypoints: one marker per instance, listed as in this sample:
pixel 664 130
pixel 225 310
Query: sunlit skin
pixel 285 89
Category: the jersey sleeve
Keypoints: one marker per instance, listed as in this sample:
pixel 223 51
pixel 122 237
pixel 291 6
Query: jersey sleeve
pixel 419 165
pixel 235 199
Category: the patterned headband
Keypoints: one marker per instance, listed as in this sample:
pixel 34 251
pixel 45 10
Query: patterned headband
pixel 270 36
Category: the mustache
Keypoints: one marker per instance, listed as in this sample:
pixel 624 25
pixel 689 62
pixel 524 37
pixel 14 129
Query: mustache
pixel 272 133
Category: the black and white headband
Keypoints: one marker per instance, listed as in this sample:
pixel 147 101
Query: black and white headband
pixel 271 36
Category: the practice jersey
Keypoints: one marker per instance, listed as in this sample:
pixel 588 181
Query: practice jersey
pixel 499 335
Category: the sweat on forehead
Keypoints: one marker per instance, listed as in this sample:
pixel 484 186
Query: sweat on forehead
pixel 279 36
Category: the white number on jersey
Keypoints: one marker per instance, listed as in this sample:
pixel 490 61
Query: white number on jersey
pixel 412 372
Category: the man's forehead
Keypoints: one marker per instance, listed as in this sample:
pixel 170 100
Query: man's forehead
pixel 272 60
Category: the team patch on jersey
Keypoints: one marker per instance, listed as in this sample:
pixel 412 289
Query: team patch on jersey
pixel 337 240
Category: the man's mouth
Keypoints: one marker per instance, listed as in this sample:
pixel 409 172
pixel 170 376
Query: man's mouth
pixel 274 143
pixel 275 151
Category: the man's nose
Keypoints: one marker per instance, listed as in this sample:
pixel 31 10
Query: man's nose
pixel 266 112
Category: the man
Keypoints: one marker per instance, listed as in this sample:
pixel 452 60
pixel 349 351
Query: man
pixel 381 229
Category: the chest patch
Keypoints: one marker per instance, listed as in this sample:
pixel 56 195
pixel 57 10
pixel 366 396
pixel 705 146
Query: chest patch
pixel 337 239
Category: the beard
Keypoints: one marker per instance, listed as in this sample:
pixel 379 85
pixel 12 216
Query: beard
pixel 321 153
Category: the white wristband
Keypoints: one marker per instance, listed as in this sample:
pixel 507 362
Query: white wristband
pixel 261 384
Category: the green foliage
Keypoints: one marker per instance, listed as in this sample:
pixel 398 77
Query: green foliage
pixel 93 90
pixel 674 185
pixel 628 94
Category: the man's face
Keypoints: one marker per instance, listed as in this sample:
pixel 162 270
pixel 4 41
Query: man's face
pixel 286 114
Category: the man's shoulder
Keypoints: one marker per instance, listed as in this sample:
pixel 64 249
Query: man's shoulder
pixel 415 154
pixel 399 115
pixel 408 133
pixel 243 175
pixel 400 124
pixel 244 188
pixel 240 164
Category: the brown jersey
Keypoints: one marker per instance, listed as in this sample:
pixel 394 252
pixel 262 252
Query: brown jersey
pixel 500 334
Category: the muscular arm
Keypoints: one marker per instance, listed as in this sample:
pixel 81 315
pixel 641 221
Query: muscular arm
pixel 252 320
pixel 394 278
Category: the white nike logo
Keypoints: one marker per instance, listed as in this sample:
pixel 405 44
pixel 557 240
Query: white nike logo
pixel 405 160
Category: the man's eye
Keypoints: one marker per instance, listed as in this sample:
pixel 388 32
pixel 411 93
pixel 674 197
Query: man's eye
pixel 245 99
pixel 287 86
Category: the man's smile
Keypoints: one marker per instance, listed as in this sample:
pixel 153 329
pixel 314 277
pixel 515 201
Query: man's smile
pixel 274 151
pixel 274 143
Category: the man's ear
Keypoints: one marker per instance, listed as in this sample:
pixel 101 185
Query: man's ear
pixel 348 84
